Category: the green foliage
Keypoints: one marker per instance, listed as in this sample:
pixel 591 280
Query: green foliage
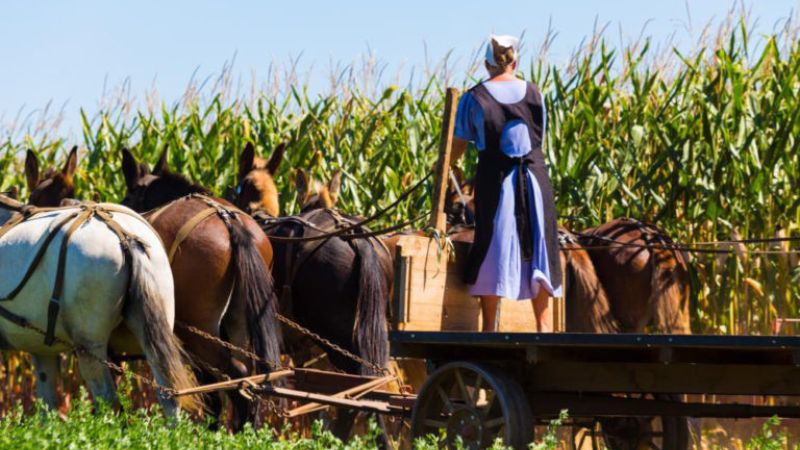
pixel 86 427
pixel 703 143
pixel 83 428
pixel 768 439
pixel 550 440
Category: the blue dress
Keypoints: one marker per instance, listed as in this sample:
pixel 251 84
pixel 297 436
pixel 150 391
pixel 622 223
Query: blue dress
pixel 504 272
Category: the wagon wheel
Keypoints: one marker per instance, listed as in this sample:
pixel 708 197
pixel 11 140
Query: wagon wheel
pixel 656 433
pixel 475 403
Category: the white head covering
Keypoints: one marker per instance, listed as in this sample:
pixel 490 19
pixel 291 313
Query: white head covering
pixel 504 41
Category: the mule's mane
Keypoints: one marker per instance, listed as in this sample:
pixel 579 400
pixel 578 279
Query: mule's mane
pixel 178 182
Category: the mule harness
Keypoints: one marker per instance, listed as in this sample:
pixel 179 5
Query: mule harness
pixel 82 214
pixel 226 214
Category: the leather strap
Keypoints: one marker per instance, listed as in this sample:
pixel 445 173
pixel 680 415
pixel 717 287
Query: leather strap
pixel 214 207
pixel 187 229
pixel 39 256
pixel 55 299
pixel 153 217
pixel 15 220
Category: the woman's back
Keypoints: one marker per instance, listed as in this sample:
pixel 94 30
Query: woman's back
pixel 515 140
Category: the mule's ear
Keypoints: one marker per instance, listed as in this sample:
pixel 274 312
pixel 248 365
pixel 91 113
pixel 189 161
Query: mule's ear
pixel 276 158
pixel 162 166
pixel 302 184
pixel 335 185
pixel 31 169
pixel 71 164
pixel 246 160
pixel 130 168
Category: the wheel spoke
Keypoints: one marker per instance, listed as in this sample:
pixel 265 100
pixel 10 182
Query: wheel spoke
pixel 462 387
pixel 445 399
pixel 436 424
pixel 497 421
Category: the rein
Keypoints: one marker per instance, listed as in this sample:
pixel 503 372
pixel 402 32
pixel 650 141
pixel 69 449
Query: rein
pixel 84 213
pixel 353 225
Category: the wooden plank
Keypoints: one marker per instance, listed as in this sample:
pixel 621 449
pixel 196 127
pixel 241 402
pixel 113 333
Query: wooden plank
pixel 362 405
pixel 438 218
pixel 590 406
pixel 436 298
pixel 354 392
pixel 725 379
pixel 235 384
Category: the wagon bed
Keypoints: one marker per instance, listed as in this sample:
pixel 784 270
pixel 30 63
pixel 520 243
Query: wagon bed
pixel 583 363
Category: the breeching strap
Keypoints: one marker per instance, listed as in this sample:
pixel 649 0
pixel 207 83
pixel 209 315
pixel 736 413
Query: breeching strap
pixel 187 229
pixel 82 215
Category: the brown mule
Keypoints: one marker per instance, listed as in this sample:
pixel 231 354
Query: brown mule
pixel 644 287
pixel 50 187
pixel 210 262
pixel 649 285
pixel 223 284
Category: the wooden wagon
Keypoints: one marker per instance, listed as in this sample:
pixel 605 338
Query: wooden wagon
pixel 497 385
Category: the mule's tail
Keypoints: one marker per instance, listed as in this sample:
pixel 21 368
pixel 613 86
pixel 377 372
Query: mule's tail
pixel 254 289
pixel 370 328
pixel 670 291
pixel 146 316
pixel 587 304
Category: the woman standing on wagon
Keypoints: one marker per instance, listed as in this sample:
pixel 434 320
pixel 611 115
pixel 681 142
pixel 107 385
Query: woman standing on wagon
pixel 515 254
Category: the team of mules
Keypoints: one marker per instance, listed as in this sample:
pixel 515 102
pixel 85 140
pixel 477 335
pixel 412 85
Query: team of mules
pixel 220 254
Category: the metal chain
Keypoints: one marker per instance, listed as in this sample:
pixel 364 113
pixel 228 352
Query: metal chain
pixel 227 345
pixel 79 349
pixel 297 327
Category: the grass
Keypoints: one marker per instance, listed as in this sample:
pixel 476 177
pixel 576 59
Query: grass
pixel 83 427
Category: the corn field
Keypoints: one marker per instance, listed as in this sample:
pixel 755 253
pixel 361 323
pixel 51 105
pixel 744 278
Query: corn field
pixel 702 143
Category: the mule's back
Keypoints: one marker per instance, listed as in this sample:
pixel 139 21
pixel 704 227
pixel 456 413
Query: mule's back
pixel 95 275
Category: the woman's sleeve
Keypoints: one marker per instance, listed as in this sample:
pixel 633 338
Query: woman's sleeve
pixel 465 125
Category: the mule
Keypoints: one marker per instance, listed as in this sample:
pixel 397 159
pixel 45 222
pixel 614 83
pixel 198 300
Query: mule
pixel 51 187
pixel 335 287
pixel 222 283
pixel 103 286
pixel 649 284
pixel 346 303
pixel 645 287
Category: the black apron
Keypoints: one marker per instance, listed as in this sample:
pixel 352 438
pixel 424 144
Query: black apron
pixel 494 166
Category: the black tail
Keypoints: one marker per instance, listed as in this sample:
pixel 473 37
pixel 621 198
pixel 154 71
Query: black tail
pixel 254 289
pixel 370 329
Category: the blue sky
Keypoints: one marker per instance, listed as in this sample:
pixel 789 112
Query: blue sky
pixel 67 51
